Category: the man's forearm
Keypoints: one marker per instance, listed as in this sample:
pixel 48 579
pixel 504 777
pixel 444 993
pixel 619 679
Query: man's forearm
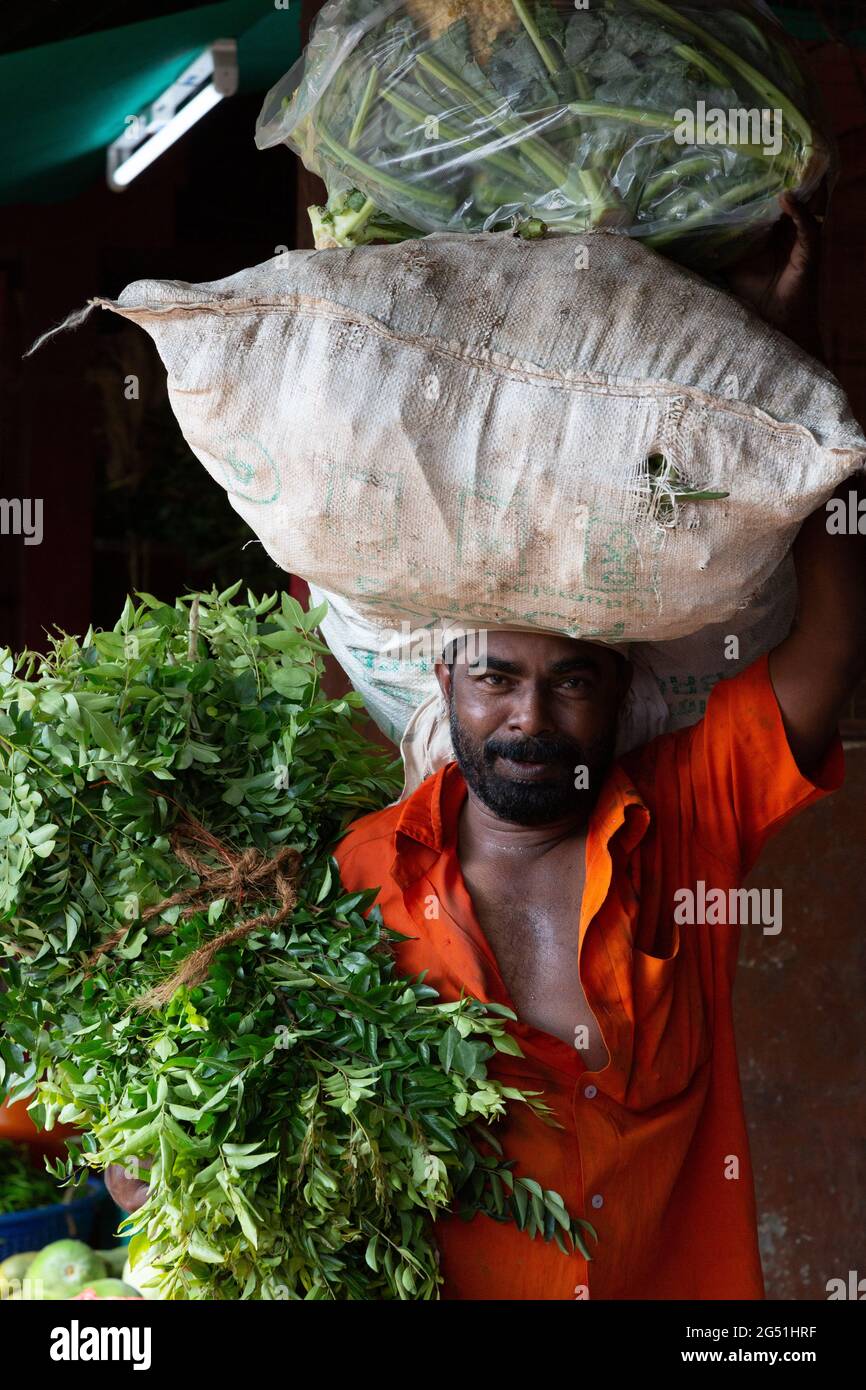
pixel 815 670
pixel 830 559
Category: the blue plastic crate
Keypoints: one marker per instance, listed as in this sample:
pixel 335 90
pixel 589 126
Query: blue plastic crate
pixel 31 1230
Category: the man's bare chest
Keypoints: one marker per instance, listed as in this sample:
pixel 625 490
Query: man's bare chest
pixel 531 922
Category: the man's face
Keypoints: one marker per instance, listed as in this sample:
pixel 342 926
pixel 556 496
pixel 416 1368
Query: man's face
pixel 534 725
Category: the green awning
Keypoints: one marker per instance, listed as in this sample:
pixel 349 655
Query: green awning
pixel 62 104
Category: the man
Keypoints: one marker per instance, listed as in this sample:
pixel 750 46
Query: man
pixel 513 883
pixel 537 871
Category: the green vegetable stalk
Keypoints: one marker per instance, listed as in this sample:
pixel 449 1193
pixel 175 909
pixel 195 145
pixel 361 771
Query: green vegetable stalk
pixel 769 93
pixel 534 112
pixel 187 981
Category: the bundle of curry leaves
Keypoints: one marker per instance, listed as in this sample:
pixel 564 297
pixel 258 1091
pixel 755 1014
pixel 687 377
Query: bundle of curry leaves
pixel 187 982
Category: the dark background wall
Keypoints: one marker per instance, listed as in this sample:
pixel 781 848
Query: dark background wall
pixel 798 1007
pixel 127 506
pixel 118 482
pixel 799 1001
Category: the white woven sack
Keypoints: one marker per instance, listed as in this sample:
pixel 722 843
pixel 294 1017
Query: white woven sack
pixel 393 670
pixel 459 427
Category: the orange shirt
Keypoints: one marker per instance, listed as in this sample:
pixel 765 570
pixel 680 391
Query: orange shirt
pixel 653 1148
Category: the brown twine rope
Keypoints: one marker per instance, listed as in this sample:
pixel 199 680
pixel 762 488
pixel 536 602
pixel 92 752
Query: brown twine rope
pixel 245 873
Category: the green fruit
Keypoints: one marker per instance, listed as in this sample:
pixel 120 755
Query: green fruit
pixel 12 1271
pixel 64 1267
pixel 114 1259
pixel 144 1279
pixel 107 1288
pixel 14 1266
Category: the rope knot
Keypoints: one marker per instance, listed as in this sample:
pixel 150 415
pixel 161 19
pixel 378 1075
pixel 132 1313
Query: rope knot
pixel 242 873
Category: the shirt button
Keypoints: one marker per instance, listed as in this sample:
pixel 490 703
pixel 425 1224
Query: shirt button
pixel 598 1200
pixel 590 1092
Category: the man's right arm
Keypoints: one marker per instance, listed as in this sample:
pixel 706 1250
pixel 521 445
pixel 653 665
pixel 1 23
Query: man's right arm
pixel 818 666
pixel 745 778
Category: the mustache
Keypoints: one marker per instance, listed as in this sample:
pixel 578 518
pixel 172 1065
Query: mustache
pixel 534 750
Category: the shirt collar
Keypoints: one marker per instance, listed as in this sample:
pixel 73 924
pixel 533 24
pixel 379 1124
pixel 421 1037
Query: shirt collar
pixel 429 815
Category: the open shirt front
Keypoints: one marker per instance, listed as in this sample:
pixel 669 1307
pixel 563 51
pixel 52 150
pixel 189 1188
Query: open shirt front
pixel 653 1148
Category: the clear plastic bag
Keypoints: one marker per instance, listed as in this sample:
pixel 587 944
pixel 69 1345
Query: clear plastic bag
pixel 677 123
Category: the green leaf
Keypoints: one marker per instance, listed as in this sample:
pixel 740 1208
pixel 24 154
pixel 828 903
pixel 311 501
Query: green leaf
pixel 228 594
pixel 199 1249
pixel 521 1201
pixel 133 944
pixel 447 1048
pixel 326 885
pixel 244 1162
pixel 104 733
pixel 288 681
pixel 184 1112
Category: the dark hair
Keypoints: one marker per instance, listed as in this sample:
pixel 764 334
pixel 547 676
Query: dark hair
pixel 449 652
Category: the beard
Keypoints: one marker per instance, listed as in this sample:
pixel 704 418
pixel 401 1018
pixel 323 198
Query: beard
pixel 533 803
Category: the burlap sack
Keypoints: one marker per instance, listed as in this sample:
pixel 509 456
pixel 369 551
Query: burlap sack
pixel 461 428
